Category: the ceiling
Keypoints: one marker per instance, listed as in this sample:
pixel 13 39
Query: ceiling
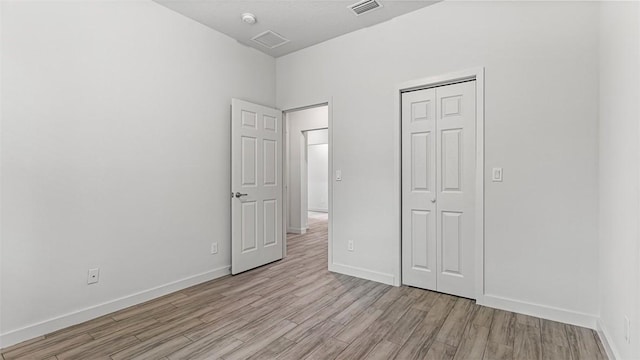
pixel 303 22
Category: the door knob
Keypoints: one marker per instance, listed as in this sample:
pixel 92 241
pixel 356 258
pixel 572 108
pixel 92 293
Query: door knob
pixel 433 200
pixel 238 195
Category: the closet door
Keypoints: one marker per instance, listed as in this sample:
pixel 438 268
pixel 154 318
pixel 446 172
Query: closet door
pixel 455 184
pixel 419 265
pixel 438 188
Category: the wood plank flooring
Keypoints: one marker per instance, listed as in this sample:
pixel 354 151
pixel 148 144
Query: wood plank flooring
pixel 296 309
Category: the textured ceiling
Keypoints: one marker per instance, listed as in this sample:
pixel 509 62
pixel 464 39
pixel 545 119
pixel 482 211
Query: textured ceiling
pixel 304 22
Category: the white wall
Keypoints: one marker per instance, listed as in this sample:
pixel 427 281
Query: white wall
pixel 318 170
pixel 115 154
pixel 316 137
pixel 619 187
pixel 540 125
pixel 297 123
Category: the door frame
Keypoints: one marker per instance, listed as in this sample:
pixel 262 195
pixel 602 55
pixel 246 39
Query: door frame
pixel 476 74
pixel 285 152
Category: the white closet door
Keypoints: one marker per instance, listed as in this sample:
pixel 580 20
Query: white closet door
pixel 419 189
pixel 438 188
pixel 456 164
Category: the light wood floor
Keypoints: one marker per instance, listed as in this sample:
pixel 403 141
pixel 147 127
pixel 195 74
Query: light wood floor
pixel 296 309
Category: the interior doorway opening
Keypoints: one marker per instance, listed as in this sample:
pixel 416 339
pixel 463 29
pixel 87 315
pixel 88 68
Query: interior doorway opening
pixel 307 138
pixel 317 174
pixel 307 169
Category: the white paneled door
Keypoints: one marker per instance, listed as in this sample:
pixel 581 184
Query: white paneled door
pixel 256 185
pixel 419 260
pixel 438 188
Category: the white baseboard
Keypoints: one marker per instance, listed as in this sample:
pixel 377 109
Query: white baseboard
pixel 388 279
pixel 542 311
pixel 42 328
pixel 607 342
pixel 292 230
pixel 318 210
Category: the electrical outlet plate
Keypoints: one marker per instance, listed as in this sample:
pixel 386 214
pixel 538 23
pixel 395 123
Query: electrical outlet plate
pixel 350 245
pixel 214 248
pixel 93 276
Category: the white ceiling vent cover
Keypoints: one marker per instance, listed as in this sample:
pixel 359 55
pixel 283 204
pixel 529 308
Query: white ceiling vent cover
pixel 270 39
pixel 365 6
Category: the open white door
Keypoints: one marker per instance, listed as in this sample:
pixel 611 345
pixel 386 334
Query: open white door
pixel 256 185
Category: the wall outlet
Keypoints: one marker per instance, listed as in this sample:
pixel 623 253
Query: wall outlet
pixel 214 248
pixel 350 245
pixel 627 329
pixel 93 276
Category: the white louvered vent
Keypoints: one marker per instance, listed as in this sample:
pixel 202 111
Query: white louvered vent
pixel 365 6
pixel 270 39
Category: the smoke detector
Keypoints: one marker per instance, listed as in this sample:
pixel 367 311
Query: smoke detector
pixel 365 6
pixel 248 18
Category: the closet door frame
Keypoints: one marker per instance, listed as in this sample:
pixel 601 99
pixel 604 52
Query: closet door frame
pixel 476 74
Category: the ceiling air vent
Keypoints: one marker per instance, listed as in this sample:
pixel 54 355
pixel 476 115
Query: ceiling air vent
pixel 270 39
pixel 365 6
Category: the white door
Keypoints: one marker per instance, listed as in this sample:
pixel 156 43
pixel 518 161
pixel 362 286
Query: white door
pixel 439 188
pixel 256 185
pixel 419 258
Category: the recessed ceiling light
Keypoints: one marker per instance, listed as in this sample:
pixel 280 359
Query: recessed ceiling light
pixel 249 18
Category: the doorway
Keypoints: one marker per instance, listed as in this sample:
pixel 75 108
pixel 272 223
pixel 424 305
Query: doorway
pixel 307 186
pixel 317 175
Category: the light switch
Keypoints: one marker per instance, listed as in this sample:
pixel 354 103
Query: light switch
pixel 496 175
pixel 338 175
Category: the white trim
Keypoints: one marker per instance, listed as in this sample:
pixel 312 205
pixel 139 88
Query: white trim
pixel 292 230
pixel 1 241
pixel 479 75
pixel 397 183
pixel 318 210
pixel 59 322
pixel 366 274
pixel 542 311
pixel 476 74
pixel 304 183
pixel 285 182
pixel 331 180
pixel 607 341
